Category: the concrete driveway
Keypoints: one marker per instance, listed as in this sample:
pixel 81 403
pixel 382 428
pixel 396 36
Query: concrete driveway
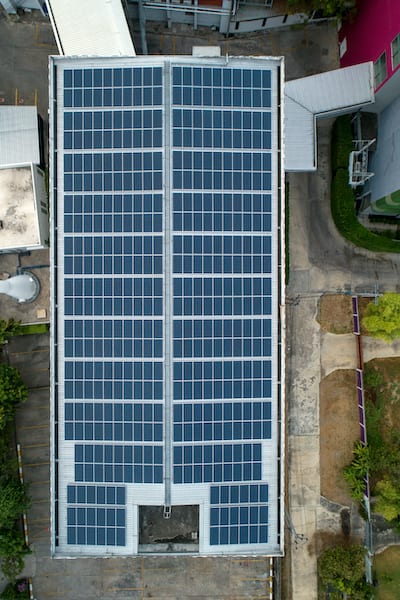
pixel 321 262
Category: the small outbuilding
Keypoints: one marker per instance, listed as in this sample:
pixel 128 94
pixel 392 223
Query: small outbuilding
pixel 23 198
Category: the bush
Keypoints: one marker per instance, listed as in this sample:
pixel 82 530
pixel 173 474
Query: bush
pixel 388 499
pixel 12 552
pixel 13 501
pixel 16 591
pixel 382 320
pixel 343 569
pixel 357 470
pixel 342 143
pixel 331 8
pixel 12 392
pixel 9 329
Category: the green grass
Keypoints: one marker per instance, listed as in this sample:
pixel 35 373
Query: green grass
pixel 342 143
pixel 34 329
pixel 387 572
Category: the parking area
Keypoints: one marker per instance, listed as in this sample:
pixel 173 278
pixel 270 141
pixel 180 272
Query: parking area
pixel 133 578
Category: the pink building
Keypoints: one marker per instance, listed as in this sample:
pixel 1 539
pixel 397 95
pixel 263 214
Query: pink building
pixel 374 34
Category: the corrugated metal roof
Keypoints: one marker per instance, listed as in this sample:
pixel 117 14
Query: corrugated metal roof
pixel 299 137
pixel 90 28
pixel 322 95
pixel 19 135
pixel 331 91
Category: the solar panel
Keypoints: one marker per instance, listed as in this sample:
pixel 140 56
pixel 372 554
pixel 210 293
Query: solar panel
pixel 167 283
pixel 239 514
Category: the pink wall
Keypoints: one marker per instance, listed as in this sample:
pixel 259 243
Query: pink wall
pixel 375 26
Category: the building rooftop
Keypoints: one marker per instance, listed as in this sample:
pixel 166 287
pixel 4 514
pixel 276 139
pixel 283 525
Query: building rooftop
pixel 166 182
pixel 90 28
pixel 18 214
pixel 19 135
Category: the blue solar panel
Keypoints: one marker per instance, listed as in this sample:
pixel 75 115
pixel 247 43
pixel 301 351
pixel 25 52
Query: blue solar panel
pixel 239 514
pixel 222 421
pixel 96 526
pixel 167 284
pixel 118 463
pixel 117 422
pixel 218 462
pixel 96 494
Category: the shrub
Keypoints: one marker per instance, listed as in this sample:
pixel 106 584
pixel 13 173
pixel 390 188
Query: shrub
pixel 12 552
pixel 382 320
pixel 9 329
pixel 342 143
pixel 357 470
pixel 388 499
pixel 12 392
pixel 16 591
pixel 13 501
pixel 342 568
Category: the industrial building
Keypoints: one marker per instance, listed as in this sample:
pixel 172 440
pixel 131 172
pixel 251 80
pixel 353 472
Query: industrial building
pixel 168 322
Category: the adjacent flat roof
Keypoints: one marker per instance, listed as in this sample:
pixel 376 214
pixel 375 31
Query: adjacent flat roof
pixel 18 212
pixel 166 182
pixel 90 28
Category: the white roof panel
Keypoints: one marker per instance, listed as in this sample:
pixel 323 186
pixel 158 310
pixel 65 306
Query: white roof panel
pixel 331 91
pixel 326 94
pixel 19 135
pixel 90 28
pixel 299 137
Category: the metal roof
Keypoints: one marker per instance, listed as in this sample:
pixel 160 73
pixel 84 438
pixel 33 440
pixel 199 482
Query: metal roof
pixel 90 28
pixel 19 135
pixel 323 95
pixel 166 182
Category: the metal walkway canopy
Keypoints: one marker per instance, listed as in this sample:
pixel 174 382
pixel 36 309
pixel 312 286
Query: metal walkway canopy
pixel 324 95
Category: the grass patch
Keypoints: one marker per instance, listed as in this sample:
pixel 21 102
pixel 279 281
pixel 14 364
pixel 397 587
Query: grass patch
pixel 342 143
pixel 343 197
pixel 34 329
pixel 387 572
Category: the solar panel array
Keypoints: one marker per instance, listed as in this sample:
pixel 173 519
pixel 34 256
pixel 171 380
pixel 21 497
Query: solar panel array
pixel 167 282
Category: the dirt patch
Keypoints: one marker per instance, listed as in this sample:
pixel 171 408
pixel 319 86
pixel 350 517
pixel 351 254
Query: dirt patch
pixel 335 313
pixel 321 540
pixel 339 430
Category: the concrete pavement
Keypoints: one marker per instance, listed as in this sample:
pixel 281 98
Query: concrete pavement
pixel 321 261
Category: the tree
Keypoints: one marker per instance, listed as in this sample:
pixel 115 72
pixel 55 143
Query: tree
pixel 12 392
pixel 382 320
pixel 343 568
pixel 12 552
pixel 388 499
pixel 331 8
pixel 13 501
pixel 9 329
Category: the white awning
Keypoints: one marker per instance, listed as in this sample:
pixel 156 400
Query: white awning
pixel 90 28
